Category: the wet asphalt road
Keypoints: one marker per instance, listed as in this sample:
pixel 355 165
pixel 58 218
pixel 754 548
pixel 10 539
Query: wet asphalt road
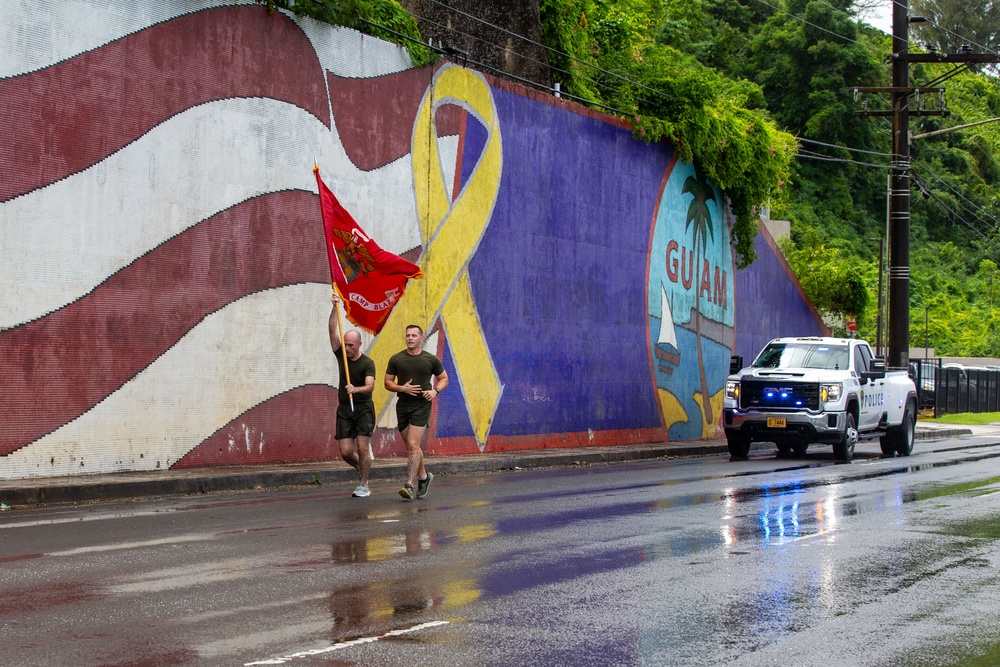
pixel 684 562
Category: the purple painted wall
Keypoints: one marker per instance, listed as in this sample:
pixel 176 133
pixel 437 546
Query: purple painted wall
pixel 770 303
pixel 162 234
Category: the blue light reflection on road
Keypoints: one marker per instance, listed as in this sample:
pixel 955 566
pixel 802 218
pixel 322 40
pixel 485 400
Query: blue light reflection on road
pixel 786 513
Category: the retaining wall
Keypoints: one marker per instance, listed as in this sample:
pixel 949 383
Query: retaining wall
pixel 164 278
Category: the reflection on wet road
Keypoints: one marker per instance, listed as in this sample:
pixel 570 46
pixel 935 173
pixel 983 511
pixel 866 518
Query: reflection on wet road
pixel 691 562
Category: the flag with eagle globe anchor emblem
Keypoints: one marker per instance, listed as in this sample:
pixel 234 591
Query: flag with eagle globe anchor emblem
pixel 370 280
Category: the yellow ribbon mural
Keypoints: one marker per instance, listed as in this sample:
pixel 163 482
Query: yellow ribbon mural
pixel 451 232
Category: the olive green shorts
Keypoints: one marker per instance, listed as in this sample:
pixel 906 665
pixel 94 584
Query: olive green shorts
pixel 417 413
pixel 352 423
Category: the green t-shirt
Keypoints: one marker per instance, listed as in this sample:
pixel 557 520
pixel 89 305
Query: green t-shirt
pixel 360 368
pixel 416 368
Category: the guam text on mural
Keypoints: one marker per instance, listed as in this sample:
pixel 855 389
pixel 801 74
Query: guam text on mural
pixel 680 265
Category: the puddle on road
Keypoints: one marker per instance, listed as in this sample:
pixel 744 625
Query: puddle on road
pixel 47 598
pixel 361 609
pixel 396 545
pixel 783 517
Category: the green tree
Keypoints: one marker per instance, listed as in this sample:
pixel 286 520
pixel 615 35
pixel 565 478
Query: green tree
pixel 953 24
pixel 838 282
pixel 986 282
pixel 386 19
pixel 614 60
pixel 736 85
pixel 808 61
pixel 699 221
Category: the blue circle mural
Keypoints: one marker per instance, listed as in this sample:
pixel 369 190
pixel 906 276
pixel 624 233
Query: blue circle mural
pixel 690 303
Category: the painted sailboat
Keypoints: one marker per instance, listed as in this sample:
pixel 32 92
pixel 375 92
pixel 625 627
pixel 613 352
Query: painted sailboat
pixel 667 354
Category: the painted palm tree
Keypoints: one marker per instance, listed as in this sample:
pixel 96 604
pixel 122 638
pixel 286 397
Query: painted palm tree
pixel 699 221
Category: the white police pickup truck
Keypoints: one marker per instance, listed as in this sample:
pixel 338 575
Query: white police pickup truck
pixel 802 391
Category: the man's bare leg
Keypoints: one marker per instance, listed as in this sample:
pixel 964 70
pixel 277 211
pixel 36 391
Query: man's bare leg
pixel 348 451
pixel 412 435
pixel 364 454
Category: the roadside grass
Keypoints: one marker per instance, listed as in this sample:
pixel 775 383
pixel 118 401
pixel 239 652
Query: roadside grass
pixel 967 418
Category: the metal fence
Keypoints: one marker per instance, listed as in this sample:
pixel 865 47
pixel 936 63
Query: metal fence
pixel 951 388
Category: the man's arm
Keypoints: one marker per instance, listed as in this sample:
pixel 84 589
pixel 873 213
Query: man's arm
pixel 369 385
pixel 439 384
pixel 408 388
pixel 334 323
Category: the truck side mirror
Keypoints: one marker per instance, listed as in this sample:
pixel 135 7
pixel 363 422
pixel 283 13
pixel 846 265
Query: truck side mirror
pixel 735 364
pixel 877 371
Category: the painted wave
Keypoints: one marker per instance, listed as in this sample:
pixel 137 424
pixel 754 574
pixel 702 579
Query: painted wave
pixel 161 255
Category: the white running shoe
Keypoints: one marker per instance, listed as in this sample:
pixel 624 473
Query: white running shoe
pixel 361 492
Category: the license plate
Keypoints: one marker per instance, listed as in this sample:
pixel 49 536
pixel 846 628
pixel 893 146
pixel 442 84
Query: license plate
pixel 776 422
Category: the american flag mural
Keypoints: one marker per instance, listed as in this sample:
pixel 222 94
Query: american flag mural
pixel 165 288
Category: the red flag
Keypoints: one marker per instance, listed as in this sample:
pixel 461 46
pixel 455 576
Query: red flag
pixel 370 280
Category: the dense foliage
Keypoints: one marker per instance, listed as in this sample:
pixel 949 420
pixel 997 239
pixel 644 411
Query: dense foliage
pixel 639 59
pixel 380 18
pixel 740 85
pixel 953 24
pixel 807 56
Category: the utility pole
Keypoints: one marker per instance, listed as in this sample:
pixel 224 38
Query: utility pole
pixel 906 103
pixel 899 193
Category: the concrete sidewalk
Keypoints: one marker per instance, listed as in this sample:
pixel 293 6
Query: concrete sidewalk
pixel 117 486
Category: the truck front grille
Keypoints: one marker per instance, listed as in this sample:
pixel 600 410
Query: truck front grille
pixel 779 395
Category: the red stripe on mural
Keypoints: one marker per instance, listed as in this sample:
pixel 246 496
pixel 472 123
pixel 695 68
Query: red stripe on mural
pixel 375 116
pixel 58 367
pixel 294 427
pixel 64 118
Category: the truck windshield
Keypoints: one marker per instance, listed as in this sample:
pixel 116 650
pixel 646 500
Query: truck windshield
pixel 803 355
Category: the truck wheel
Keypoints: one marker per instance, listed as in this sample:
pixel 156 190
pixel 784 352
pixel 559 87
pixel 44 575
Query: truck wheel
pixel 843 451
pixel 784 450
pixel 800 449
pixel 887 445
pixel 739 445
pixel 902 436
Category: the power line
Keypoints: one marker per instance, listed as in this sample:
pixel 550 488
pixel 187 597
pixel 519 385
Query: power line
pixel 972 207
pixel 846 148
pixel 804 154
pixel 505 49
pixel 505 74
pixel 964 39
pixel 972 227
pixel 586 77
pixel 557 51
pixel 826 30
pixel 951 211
pixel 809 155
pixel 986 155
pixel 855 18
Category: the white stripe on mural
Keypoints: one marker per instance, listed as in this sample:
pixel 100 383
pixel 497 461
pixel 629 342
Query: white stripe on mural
pixel 36 34
pixel 59 242
pixel 211 376
pixel 349 53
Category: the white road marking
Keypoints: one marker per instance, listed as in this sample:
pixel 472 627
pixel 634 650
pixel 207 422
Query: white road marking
pixel 343 645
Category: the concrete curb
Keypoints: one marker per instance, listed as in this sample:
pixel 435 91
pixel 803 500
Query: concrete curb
pixel 941 433
pixel 122 486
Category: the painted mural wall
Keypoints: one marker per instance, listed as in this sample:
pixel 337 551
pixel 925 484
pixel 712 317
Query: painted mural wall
pixel 165 287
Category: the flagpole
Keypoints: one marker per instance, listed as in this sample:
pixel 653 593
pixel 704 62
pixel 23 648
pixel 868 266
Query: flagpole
pixel 343 350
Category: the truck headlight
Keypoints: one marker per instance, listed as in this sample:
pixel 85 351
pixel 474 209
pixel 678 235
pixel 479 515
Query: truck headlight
pixel 830 392
pixel 732 389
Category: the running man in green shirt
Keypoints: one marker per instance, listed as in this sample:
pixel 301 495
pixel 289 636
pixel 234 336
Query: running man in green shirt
pixel 417 377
